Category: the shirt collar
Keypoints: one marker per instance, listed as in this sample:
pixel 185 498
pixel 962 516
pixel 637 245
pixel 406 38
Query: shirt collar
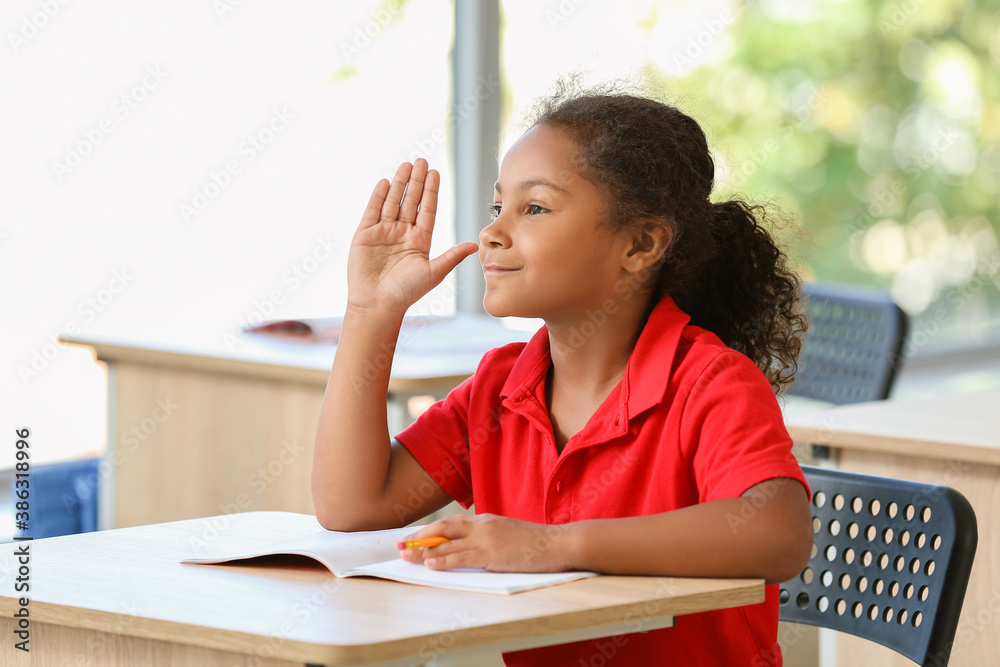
pixel 651 363
pixel 646 375
pixel 530 368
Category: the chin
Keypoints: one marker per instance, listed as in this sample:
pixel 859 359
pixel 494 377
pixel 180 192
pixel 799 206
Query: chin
pixel 495 311
pixel 497 308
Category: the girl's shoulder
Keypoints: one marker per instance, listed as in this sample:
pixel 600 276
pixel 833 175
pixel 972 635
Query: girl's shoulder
pixel 703 358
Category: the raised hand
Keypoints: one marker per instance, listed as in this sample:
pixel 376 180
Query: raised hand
pixel 389 266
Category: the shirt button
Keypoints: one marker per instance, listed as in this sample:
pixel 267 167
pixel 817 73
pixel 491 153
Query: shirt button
pixel 558 486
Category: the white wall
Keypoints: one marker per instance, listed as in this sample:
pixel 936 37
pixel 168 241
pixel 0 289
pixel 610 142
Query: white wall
pixel 116 114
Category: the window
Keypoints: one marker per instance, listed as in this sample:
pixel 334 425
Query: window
pixel 872 124
pixel 177 170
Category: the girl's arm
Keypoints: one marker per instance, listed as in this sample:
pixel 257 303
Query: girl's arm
pixel 359 480
pixel 765 533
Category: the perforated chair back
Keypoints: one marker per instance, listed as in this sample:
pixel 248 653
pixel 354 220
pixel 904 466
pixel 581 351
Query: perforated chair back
pixel 891 562
pixel 853 347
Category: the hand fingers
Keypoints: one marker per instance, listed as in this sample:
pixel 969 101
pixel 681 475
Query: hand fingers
pixel 372 211
pixel 390 208
pixel 451 561
pixel 449 259
pixel 448 554
pixel 428 202
pixel 448 527
pixel 441 558
pixel 466 548
pixel 414 192
pixel 451 527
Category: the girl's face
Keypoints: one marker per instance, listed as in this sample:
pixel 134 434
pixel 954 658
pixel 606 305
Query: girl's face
pixel 545 255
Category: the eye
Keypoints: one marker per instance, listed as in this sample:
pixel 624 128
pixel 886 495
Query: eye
pixel 494 211
pixel 535 209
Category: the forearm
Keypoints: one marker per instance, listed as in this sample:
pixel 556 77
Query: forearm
pixel 358 477
pixel 351 457
pixel 763 536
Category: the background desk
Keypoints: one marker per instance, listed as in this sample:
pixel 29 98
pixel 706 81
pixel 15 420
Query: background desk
pixel 221 425
pixel 121 597
pixel 951 440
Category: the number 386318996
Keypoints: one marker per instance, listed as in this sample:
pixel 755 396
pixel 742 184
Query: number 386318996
pixel 22 456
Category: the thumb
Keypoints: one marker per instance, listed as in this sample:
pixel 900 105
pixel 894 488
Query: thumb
pixel 449 259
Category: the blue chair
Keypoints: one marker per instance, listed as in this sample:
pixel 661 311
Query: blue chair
pixel 891 562
pixel 63 498
pixel 853 348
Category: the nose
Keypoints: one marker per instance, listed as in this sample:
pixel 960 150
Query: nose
pixel 495 235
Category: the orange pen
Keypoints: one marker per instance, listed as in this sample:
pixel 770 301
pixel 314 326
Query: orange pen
pixel 423 543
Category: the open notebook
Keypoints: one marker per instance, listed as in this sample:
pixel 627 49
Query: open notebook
pixel 374 554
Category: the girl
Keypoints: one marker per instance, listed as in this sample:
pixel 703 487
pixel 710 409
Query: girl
pixel 641 419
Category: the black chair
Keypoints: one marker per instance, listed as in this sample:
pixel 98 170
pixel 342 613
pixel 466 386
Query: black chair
pixel 891 562
pixel 853 347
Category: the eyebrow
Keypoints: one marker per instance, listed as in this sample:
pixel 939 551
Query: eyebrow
pixel 532 182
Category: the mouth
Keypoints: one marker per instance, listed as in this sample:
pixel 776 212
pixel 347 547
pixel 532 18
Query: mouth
pixel 495 269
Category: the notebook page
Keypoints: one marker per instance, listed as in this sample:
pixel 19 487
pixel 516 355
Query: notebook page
pixel 472 580
pixel 338 551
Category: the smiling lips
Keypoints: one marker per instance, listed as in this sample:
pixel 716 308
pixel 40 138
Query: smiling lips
pixel 497 269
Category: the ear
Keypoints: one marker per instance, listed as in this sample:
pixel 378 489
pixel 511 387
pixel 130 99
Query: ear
pixel 648 246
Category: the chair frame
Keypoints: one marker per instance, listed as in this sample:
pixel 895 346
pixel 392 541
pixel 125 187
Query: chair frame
pixel 867 565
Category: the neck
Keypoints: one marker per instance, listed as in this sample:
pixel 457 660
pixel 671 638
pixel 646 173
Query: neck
pixel 589 354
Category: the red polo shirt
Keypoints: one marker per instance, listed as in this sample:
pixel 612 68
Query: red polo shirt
pixel 691 421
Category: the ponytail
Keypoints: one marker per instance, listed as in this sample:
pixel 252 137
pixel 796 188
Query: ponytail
pixel 739 287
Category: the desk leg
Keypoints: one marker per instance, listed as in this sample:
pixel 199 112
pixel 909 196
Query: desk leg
pixel 977 641
pixel 58 646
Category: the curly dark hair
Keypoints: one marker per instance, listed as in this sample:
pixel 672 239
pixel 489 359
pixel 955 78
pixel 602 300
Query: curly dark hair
pixel 723 268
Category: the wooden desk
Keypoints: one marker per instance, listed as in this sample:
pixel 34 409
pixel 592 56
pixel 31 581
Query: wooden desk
pixel 121 597
pixel 212 425
pixel 952 440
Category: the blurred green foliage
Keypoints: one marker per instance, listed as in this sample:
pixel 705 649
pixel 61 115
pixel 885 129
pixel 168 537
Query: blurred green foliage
pixel 859 118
